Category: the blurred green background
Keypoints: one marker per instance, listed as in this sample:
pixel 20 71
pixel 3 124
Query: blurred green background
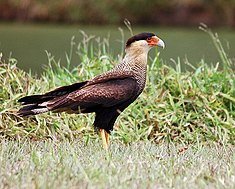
pixel 30 27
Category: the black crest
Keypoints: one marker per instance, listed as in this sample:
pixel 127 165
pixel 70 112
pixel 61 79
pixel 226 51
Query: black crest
pixel 140 36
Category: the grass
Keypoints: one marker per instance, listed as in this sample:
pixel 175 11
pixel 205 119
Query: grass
pixel 179 133
pixel 26 164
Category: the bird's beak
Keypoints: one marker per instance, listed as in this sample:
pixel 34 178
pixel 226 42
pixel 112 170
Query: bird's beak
pixel 161 43
pixel 155 41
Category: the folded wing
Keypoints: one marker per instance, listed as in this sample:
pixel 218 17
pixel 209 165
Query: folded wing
pixel 91 98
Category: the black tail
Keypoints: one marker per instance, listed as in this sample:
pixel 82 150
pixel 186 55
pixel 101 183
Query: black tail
pixel 34 103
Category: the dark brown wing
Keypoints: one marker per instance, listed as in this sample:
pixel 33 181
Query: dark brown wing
pixel 87 95
pixel 109 93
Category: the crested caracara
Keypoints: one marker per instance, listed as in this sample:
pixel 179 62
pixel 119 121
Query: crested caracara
pixel 107 94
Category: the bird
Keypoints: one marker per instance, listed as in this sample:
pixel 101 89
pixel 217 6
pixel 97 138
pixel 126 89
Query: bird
pixel 107 94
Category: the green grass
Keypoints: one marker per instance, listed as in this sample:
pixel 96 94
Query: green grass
pixel 193 109
pixel 48 164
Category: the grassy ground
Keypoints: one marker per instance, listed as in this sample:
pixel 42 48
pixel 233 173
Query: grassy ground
pixel 194 109
pixel 26 164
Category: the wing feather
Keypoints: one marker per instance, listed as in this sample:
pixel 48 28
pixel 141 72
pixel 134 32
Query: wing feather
pixel 102 94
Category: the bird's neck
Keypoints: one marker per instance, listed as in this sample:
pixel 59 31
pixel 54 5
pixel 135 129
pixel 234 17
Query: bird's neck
pixel 134 60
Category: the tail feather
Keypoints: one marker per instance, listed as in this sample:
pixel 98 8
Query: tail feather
pixel 32 109
pixel 36 104
pixel 38 99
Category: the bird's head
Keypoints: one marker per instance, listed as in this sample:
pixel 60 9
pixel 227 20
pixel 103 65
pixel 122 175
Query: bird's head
pixel 144 41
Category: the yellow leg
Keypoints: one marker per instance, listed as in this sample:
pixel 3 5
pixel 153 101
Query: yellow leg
pixel 104 137
pixel 107 138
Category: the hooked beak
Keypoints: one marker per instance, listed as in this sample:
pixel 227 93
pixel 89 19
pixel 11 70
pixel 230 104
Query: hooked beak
pixel 161 43
pixel 155 41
